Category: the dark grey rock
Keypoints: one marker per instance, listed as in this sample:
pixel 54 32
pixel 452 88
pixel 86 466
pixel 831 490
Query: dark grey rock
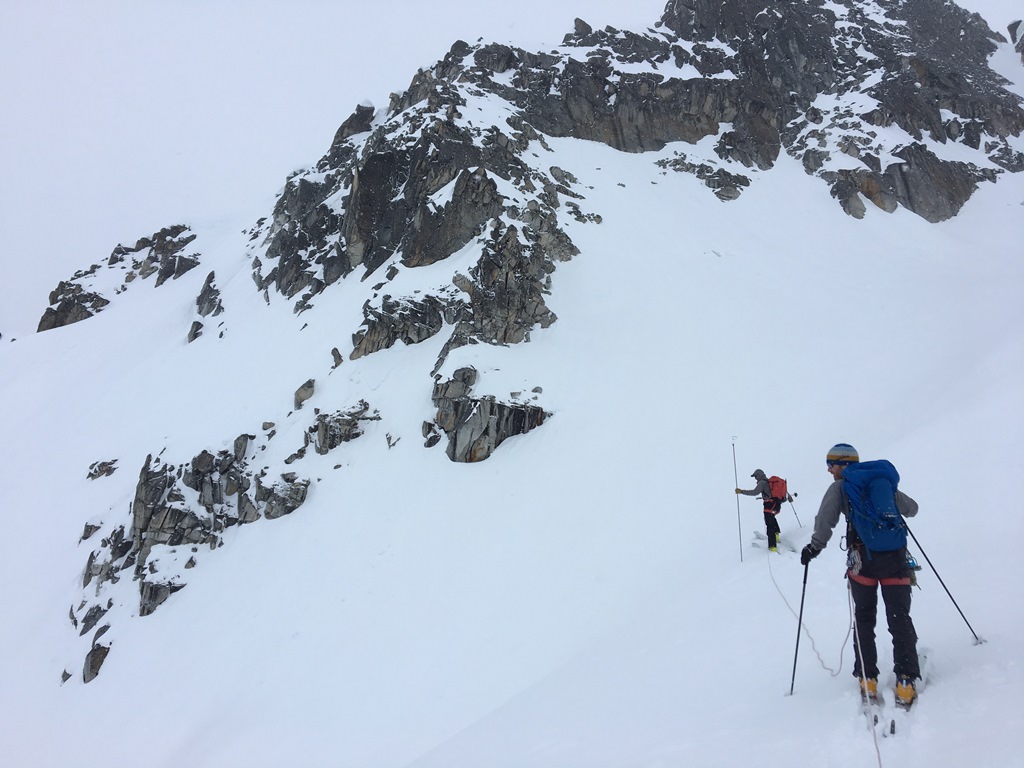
pixel 161 255
pixel 281 498
pixel 93 661
pixel 407 320
pixel 331 430
pixel 92 617
pixel 102 469
pixel 303 393
pixel 477 426
pixel 506 292
pixel 208 301
pixel 1016 31
pixel 70 304
pixel 153 594
pixel 183 505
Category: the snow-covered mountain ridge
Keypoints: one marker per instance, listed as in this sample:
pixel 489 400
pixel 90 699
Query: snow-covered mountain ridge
pixel 887 102
pixel 460 167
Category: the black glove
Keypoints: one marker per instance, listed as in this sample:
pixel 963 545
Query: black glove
pixel 808 553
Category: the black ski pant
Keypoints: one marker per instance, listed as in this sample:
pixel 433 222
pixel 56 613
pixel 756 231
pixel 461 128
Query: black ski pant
pixel 771 524
pixel 889 571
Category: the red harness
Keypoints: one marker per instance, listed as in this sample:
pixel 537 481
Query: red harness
pixel 867 581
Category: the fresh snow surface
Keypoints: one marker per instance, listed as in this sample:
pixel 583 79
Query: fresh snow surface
pixel 578 599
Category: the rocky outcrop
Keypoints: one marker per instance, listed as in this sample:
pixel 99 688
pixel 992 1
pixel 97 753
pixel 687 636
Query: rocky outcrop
pixel 71 303
pixel 303 393
pixel 208 301
pixel 159 255
pixel 423 197
pixel 726 185
pixel 180 509
pixel 1016 30
pixel 477 426
pixel 421 187
pixel 409 320
pixel 281 496
pixel 90 291
pixel 102 469
pixel 864 94
pixel 93 661
pixel 331 430
pixel 506 290
pixel 440 227
pixel 764 71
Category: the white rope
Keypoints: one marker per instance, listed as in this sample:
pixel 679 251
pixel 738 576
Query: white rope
pixel 803 627
pixel 863 680
pixel 851 629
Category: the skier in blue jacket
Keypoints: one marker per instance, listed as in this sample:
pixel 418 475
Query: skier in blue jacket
pixel 865 574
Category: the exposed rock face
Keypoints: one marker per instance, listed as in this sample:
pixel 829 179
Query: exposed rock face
pixel 419 189
pixel 507 289
pixel 89 291
pixel 922 64
pixel 93 661
pixel 102 469
pixel 303 393
pixel 726 185
pixel 331 430
pixel 393 204
pixel 70 303
pixel 281 497
pixel 160 255
pixel 867 95
pixel 407 320
pixel 208 301
pixel 1016 30
pixel 477 426
pixel 180 508
pixel 440 231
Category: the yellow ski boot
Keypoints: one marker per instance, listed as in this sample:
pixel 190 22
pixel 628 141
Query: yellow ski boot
pixel 906 693
pixel 869 689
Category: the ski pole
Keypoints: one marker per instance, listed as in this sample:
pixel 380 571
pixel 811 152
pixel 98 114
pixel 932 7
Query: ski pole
pixel 799 626
pixel 793 496
pixel 977 640
pixel 736 479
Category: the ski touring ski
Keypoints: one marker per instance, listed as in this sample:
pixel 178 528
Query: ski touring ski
pixel 761 542
pixel 887 718
pixel 875 710
pixel 903 712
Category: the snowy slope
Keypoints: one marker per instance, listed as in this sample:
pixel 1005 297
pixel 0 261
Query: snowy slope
pixel 578 599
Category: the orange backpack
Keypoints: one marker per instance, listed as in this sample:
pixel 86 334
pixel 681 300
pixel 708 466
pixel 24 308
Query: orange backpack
pixel 777 488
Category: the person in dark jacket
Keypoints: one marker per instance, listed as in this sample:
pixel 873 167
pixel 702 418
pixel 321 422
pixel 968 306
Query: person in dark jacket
pixel 772 507
pixel 865 573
